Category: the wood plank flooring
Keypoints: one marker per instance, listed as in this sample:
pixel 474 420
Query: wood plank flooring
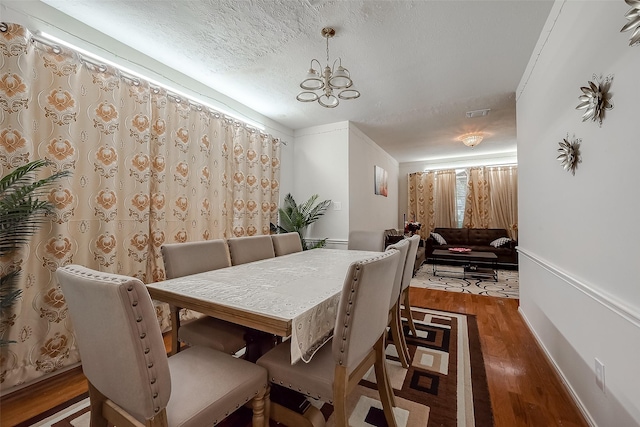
pixel 525 390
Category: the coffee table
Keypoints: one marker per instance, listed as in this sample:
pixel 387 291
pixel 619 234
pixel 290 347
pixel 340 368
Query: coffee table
pixel 470 261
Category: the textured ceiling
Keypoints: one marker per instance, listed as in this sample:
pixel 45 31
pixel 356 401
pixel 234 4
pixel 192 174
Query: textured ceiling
pixel 419 65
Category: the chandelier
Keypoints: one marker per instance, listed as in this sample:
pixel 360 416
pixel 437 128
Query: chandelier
pixel 331 79
pixel 471 139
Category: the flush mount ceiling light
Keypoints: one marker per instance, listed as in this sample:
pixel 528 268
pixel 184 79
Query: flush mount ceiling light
pixel 471 139
pixel 332 78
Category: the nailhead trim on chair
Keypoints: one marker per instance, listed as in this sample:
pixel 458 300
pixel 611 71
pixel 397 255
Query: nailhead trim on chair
pixel 146 349
pixel 133 297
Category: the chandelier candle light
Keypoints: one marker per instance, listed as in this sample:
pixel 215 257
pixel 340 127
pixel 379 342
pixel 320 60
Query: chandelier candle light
pixel 332 78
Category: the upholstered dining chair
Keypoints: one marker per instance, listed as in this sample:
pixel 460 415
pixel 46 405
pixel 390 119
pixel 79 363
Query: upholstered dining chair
pixel 406 281
pixel 132 382
pixel 357 343
pixel 249 249
pixel 395 323
pixel 182 259
pixel 364 240
pixel 286 243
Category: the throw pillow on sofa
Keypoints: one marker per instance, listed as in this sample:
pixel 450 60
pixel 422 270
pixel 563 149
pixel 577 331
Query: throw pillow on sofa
pixel 501 241
pixel 438 238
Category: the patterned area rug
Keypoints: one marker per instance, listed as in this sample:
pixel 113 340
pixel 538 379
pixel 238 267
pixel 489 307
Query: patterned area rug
pixel 445 386
pixel 507 285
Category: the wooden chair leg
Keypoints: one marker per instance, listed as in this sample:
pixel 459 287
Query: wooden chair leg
pixel 96 400
pixel 340 390
pixel 261 404
pixel 398 337
pixel 384 387
pixel 407 312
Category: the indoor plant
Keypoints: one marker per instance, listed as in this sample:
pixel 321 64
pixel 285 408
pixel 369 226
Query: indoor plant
pixel 21 214
pixel 294 217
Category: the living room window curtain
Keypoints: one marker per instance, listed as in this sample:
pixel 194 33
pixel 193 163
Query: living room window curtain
pixel 503 186
pixel 432 200
pixel 492 199
pixel 147 168
pixel 477 205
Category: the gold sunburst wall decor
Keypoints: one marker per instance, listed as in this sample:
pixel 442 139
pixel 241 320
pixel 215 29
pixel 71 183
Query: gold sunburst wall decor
pixel 570 153
pixel 633 15
pixel 596 99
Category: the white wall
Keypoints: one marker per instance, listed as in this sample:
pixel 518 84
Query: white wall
pixel 368 211
pixel 579 237
pixel 321 166
pixel 336 162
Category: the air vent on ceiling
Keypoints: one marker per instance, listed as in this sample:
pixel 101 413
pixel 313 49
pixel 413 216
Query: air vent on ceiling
pixel 478 113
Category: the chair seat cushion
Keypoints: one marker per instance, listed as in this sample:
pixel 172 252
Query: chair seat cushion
pixel 200 376
pixel 313 379
pixel 214 333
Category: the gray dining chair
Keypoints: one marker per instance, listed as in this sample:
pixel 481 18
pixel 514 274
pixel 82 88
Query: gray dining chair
pixel 357 343
pixel 286 243
pixel 395 322
pixel 249 249
pixel 132 382
pixel 406 282
pixel 183 259
pixel 365 240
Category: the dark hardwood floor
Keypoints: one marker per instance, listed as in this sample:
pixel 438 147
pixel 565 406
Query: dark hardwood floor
pixel 525 390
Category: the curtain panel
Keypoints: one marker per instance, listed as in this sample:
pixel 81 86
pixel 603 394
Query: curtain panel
pixel 492 199
pixel 503 182
pixel 432 200
pixel 477 204
pixel 148 168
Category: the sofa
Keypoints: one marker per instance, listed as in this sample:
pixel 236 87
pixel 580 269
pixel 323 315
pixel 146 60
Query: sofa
pixel 477 239
pixel 392 236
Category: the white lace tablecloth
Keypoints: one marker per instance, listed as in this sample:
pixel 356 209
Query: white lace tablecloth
pixel 302 287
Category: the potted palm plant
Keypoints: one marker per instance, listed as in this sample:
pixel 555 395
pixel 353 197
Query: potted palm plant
pixel 21 214
pixel 294 217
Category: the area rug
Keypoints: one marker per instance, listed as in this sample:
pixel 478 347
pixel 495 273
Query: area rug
pixel 445 385
pixel 507 285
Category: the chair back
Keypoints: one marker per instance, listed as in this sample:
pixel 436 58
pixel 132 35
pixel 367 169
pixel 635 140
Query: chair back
pixel 249 249
pixel 414 241
pixel 363 310
pixel 182 259
pixel 364 240
pixel 119 339
pixel 403 247
pixel 287 243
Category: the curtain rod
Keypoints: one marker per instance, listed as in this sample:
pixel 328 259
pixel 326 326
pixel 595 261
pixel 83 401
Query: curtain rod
pixel 54 44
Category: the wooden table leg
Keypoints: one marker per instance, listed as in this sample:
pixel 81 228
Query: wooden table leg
pixel 175 325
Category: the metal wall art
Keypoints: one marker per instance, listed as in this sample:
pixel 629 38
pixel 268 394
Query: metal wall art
pixel 596 99
pixel 633 15
pixel 570 154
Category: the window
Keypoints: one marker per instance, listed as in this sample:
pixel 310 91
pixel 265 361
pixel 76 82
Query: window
pixel 461 194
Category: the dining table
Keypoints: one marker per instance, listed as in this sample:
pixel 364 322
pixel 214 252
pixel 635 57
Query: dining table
pixel 294 295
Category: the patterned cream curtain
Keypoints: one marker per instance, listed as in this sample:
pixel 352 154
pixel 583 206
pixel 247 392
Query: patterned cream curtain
pixel 503 183
pixel 421 192
pixel 432 200
pixel 147 168
pixel 492 199
pixel 477 205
